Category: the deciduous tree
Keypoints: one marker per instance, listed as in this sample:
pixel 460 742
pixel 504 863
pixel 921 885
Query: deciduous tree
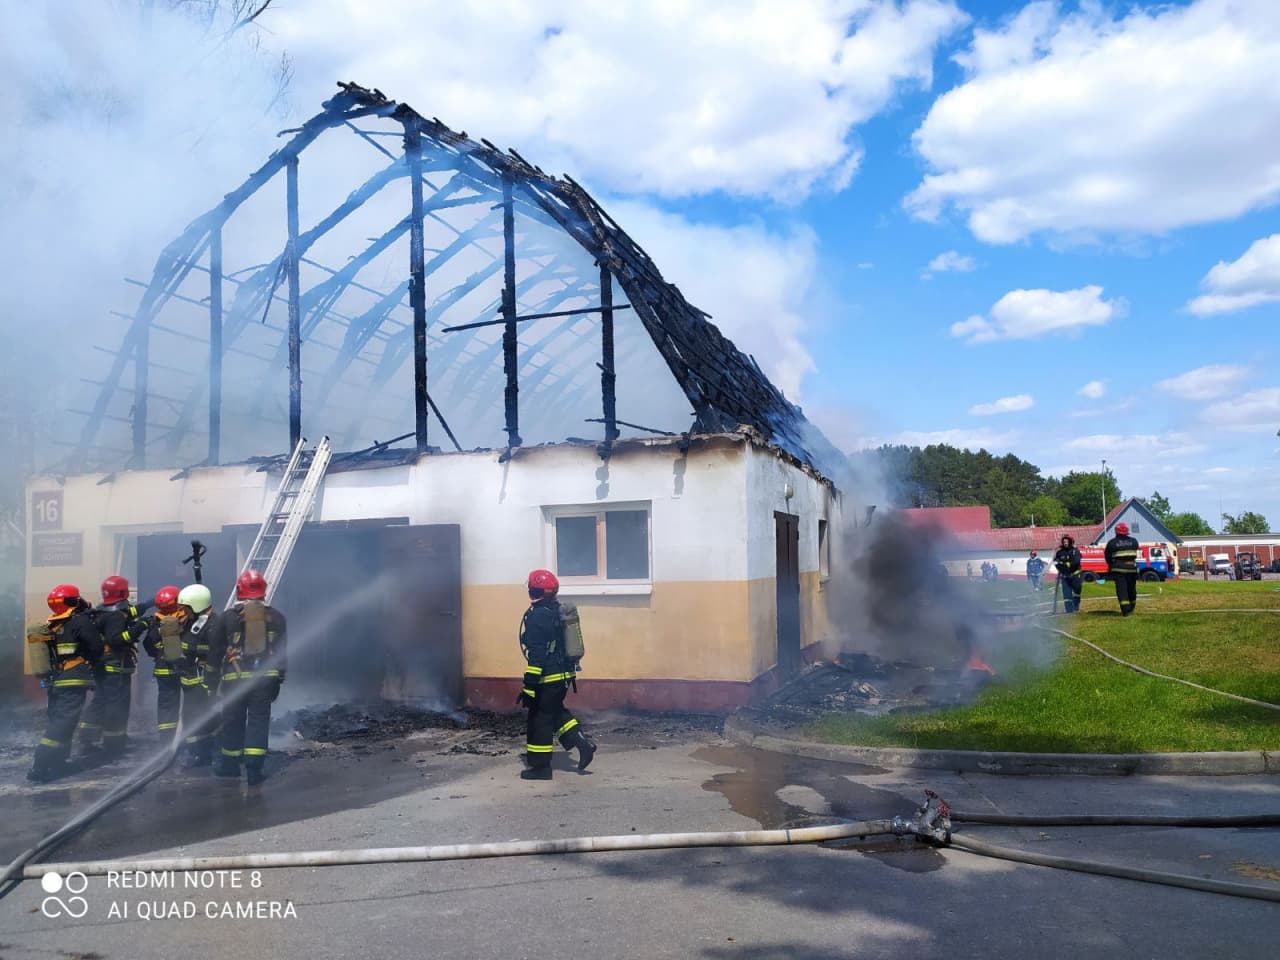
pixel 1247 522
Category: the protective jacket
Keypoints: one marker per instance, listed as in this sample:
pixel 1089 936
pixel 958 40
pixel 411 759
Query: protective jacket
pixel 249 641
pixel 77 646
pixel 163 642
pixel 122 627
pixel 1122 554
pixel 542 640
pixel 195 637
pixel 1067 560
pixel 1035 566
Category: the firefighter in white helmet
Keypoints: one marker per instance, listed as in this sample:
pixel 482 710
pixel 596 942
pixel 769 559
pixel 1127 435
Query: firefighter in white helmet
pixel 198 722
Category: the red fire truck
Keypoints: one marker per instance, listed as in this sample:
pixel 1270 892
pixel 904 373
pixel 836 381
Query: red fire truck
pixel 1156 561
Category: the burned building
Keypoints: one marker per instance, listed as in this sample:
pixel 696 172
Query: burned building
pixel 510 383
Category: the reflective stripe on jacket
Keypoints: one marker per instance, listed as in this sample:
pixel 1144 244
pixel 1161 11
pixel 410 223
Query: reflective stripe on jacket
pixel 1122 554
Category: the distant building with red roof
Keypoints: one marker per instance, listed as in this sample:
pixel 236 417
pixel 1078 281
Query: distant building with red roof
pixel 972 540
pixel 950 519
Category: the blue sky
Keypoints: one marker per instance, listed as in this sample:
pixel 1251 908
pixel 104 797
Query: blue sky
pixel 1102 157
pixel 1096 183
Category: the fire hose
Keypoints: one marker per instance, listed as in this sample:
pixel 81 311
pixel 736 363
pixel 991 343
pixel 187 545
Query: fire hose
pixel 1161 676
pixel 931 824
pixel 14 872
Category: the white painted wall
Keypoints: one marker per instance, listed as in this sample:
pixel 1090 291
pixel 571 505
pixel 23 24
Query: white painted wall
pixel 768 478
pixel 699 507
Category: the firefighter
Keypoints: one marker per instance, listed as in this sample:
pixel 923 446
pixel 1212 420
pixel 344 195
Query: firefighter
pixel 249 649
pixel 198 722
pixel 122 626
pixel 1067 561
pixel 547 677
pixel 163 642
pixel 1035 568
pixel 1122 566
pixel 74 647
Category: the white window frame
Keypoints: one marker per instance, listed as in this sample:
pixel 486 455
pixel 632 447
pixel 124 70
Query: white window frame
pixel 599 585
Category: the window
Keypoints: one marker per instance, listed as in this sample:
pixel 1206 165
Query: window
pixel 600 546
pixel 1134 528
pixel 824 552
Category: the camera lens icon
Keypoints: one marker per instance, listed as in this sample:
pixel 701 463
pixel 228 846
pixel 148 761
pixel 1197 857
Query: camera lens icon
pixel 74 906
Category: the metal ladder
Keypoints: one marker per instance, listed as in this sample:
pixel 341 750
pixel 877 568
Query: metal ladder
pixel 294 500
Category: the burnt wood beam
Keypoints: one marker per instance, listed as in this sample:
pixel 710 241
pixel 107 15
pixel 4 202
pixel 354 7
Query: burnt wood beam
pixel 179 257
pixel 417 285
pixel 510 362
pixel 608 378
pixel 295 306
pixel 215 344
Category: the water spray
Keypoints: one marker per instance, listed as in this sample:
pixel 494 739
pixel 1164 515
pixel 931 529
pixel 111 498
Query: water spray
pixel 155 765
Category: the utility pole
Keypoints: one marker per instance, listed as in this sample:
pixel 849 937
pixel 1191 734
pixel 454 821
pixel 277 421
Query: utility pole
pixel 1103 484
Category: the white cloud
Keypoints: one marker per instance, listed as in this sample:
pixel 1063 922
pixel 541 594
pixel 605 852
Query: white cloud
pixel 1026 314
pixel 949 262
pixel 1094 389
pixel 1257 410
pixel 1022 401
pixel 672 98
pixel 1078 124
pixel 1253 279
pixel 1138 445
pixel 752 281
pixel 1205 383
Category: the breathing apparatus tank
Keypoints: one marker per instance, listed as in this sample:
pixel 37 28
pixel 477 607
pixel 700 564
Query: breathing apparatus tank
pixel 40 648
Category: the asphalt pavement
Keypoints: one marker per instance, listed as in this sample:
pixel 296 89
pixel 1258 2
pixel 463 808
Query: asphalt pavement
pixel 872 898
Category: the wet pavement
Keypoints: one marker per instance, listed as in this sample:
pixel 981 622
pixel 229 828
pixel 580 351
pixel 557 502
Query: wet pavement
pixel 323 761
pixel 878 897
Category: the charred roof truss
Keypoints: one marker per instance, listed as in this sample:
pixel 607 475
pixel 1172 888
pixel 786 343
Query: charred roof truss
pixel 361 325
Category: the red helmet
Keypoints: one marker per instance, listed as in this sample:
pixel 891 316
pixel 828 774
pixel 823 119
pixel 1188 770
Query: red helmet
pixel 1122 529
pixel 63 600
pixel 1033 553
pixel 167 599
pixel 544 581
pixel 250 585
pixel 114 589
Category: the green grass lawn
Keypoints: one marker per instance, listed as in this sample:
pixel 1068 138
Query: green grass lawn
pixel 1085 703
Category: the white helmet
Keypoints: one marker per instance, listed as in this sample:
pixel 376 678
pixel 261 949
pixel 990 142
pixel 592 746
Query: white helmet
pixel 197 597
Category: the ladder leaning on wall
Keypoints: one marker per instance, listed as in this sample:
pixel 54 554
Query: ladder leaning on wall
pixel 293 503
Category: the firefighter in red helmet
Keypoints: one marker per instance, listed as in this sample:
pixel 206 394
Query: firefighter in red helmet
pixel 75 645
pixel 1122 566
pixel 163 643
pixel 249 649
pixel 122 626
pixel 547 676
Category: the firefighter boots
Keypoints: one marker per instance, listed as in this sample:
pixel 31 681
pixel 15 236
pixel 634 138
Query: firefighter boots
pixel 535 773
pixel 226 767
pixel 586 751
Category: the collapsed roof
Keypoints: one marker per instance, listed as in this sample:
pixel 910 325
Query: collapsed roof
pixel 483 248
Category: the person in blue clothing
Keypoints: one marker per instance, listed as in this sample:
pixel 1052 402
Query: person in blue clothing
pixel 1035 568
